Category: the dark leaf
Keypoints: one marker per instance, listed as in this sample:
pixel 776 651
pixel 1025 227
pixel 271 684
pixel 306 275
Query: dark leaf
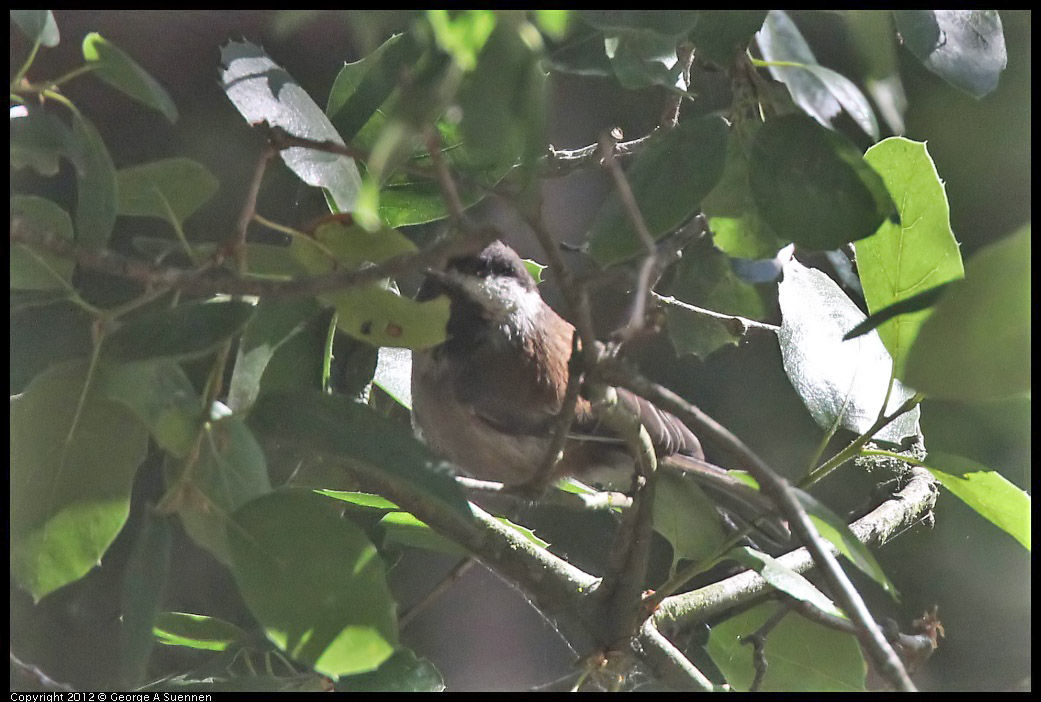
pixel 121 72
pixel 812 185
pixel 353 431
pixel 668 178
pixel 186 331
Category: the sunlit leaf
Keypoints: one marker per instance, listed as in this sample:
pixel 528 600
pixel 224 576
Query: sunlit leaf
pixel 263 91
pixel 838 381
pixel 823 93
pixel 73 458
pixel 976 345
pixel 195 631
pixel 833 528
pixel 914 255
pixel 964 47
pixel 988 493
pixel 322 599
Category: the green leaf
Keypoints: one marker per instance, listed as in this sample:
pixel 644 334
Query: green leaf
pixel 402 672
pixel 37 25
pixel 553 23
pixel 738 230
pixel 383 318
pixel 360 499
pixel 143 584
pixel 323 599
pixel 361 87
pixel 504 100
pixel 33 270
pixel 721 35
pixel 914 255
pixel 784 578
pixel 875 45
pixel 231 470
pixel 801 655
pixel 976 345
pixel 705 278
pixel 375 314
pixel 190 330
pixel 95 185
pixel 462 34
pixel 407 530
pixel 525 532
pixel 964 47
pixel 338 426
pixel 812 185
pixel 39 139
pixel 122 73
pixel 837 380
pixel 45 336
pixel 184 184
pixel 987 492
pixel 669 22
pixel 274 322
pixel 916 303
pixel 641 59
pixel 354 246
pixel 685 516
pixel 195 631
pixel 669 178
pixel 161 396
pixel 821 92
pixel 263 91
pixel 833 528
pixel 73 458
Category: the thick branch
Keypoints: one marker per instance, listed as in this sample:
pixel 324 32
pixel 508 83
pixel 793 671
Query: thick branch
pixel 213 282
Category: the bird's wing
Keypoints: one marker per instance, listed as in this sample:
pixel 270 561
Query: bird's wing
pixel 668 434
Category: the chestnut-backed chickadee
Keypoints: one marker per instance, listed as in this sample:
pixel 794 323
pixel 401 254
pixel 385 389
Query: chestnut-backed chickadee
pixel 487 399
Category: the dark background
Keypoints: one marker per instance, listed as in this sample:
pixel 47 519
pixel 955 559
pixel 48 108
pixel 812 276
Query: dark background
pixel 482 634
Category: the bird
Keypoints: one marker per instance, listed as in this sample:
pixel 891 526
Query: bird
pixel 488 398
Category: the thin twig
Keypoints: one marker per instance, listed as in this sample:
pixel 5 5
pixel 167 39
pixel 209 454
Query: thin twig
pixel 757 640
pixel 237 240
pixel 39 676
pixel 445 181
pixel 458 571
pixel 738 326
pixel 561 162
pixel 638 314
pixel 671 114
